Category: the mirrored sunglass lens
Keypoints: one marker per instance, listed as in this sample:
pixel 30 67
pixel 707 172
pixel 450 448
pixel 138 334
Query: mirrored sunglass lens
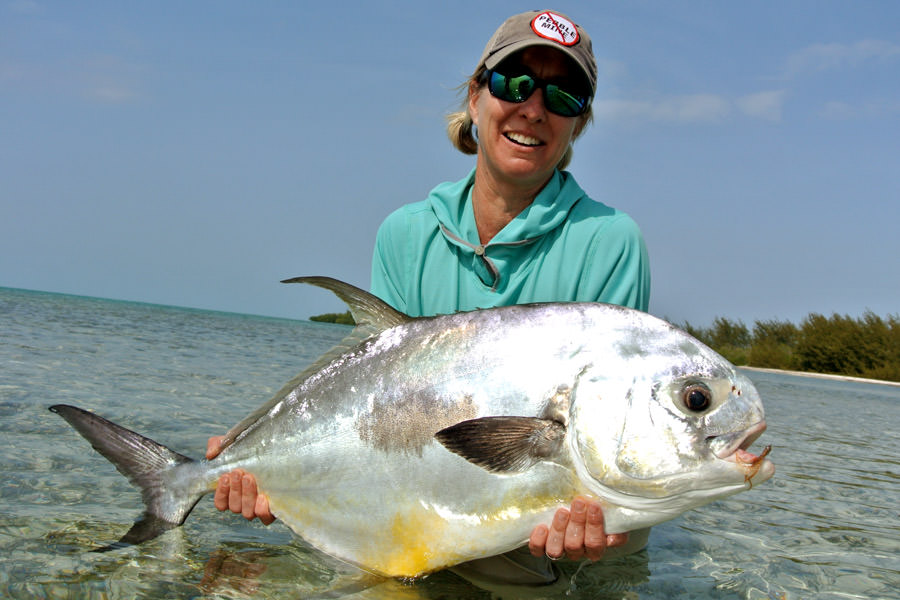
pixel 521 87
pixel 511 89
pixel 563 103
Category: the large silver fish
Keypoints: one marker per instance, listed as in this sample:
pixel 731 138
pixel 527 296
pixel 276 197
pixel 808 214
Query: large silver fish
pixel 421 443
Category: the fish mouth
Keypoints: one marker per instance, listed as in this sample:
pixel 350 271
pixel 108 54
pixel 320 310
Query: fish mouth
pixel 734 448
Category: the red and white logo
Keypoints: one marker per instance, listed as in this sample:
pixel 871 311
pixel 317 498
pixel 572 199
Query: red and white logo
pixel 555 27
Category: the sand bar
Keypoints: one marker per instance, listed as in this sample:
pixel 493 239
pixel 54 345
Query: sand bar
pixel 825 376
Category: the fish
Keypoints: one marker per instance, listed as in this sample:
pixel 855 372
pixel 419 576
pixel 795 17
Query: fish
pixel 420 443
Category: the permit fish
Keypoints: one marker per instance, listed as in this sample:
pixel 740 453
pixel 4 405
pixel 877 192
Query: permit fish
pixel 420 443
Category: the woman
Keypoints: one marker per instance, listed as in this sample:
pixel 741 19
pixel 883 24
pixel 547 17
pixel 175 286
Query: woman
pixel 517 229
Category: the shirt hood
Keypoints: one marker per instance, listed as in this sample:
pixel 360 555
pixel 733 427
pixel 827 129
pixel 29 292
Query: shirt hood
pixel 493 262
pixel 452 205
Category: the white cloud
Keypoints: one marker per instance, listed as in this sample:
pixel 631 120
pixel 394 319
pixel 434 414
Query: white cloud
pixel 697 108
pixel 873 108
pixel 821 57
pixel 110 93
pixel 105 79
pixel 25 7
pixel 609 70
pixel 108 78
pixel 764 105
pixel 674 109
pixel 837 110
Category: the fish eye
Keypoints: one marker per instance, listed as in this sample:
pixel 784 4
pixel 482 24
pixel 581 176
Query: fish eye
pixel 696 397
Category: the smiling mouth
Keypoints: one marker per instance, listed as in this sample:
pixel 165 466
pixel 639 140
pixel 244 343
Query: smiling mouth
pixel 523 140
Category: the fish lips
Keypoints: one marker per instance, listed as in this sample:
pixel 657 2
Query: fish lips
pixel 733 448
pixel 725 446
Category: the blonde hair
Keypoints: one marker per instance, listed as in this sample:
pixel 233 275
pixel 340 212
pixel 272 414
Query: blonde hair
pixel 460 126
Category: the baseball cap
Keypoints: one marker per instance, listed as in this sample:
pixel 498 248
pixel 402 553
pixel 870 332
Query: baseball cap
pixel 542 28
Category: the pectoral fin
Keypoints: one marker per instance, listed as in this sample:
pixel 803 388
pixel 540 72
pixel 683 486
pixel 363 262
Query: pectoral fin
pixel 502 444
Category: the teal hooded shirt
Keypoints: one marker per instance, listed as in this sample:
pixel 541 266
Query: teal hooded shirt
pixel 564 247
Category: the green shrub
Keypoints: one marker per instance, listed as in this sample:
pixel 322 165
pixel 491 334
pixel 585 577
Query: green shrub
pixel 865 347
pixel 773 345
pixel 344 318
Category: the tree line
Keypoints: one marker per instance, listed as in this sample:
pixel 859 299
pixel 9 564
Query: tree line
pixel 868 346
pixel 344 318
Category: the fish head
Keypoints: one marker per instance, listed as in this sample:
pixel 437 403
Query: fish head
pixel 675 421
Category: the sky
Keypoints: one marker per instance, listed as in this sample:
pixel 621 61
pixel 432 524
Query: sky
pixel 196 153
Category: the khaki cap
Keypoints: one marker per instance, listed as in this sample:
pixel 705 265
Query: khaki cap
pixel 542 28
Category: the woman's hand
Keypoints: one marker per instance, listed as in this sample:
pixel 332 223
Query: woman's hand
pixel 576 533
pixel 237 490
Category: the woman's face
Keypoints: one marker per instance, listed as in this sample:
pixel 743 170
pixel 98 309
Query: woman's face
pixel 522 143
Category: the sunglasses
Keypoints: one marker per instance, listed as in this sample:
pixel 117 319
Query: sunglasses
pixel 520 87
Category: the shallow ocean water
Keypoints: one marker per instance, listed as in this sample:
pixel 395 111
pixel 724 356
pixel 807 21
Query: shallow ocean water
pixel 826 526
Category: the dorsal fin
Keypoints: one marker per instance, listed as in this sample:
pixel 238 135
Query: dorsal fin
pixel 370 312
pixel 372 316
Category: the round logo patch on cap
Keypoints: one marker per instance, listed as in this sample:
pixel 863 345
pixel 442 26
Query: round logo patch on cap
pixel 554 27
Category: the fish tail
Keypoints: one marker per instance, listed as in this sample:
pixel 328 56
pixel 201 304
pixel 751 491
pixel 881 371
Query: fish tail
pixel 169 495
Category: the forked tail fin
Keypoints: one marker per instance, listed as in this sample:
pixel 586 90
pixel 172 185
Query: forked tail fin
pixel 149 466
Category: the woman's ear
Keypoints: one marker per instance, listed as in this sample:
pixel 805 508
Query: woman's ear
pixel 474 93
pixel 579 126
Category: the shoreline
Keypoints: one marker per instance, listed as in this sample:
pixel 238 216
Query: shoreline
pixel 824 376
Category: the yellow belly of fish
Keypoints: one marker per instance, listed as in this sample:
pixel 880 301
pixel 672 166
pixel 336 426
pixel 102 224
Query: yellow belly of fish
pixel 423 540
pixel 412 545
pixel 418 539
pixel 401 534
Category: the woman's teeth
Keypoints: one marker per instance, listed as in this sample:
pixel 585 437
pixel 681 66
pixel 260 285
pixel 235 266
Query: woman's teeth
pixel 523 140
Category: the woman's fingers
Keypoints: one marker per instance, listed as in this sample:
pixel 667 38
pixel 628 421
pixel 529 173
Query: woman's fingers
pixel 214 446
pixel 248 496
pixel 220 499
pixel 237 492
pixel 557 537
pixel 574 537
pixel 235 495
pixel 537 542
pixel 262 510
pixel 595 539
pixel 576 533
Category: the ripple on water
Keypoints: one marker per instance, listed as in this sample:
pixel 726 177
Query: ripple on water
pixel 826 526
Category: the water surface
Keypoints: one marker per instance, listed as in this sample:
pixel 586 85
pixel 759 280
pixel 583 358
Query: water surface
pixel 826 526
